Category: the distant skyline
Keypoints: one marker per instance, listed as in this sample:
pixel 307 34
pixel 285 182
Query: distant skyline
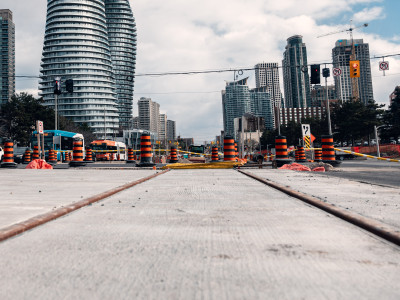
pixel 190 35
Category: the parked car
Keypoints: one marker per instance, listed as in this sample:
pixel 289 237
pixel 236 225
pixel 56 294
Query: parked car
pixel 19 154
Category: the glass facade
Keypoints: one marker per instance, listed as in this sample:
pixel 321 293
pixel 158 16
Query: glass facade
pixel 7 56
pixel 295 73
pixel 341 59
pixel 122 37
pixel 77 46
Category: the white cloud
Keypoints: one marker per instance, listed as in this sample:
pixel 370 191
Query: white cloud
pixel 369 14
pixel 181 35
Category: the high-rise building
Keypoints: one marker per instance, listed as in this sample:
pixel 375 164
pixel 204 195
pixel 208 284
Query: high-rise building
pixel 122 38
pixel 341 59
pixel 267 75
pixel 171 130
pixel 235 103
pixel 149 114
pixel 7 56
pixel 296 80
pixel 318 95
pixel 162 130
pixel 261 106
pixel 237 100
pixel 94 43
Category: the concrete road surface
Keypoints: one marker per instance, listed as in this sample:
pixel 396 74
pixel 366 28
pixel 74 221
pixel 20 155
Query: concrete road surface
pixel 199 234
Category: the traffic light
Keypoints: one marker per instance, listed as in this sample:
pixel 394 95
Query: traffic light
pixel 326 72
pixel 57 87
pixel 69 85
pixel 354 68
pixel 315 74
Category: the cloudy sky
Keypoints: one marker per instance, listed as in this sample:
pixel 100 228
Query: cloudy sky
pixel 189 35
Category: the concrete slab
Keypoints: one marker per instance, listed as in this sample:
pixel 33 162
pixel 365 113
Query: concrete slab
pixel 199 234
pixel 373 201
pixel 27 193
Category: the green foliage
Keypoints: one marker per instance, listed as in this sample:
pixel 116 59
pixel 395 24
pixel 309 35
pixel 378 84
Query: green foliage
pixel 354 120
pixel 391 118
pixel 18 117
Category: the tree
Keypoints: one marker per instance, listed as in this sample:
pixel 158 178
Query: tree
pixel 353 120
pixel 18 117
pixel 391 118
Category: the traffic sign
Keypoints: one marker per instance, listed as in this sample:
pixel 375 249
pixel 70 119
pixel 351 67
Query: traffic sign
pixel 383 65
pixel 337 71
pixel 40 127
pixel 305 128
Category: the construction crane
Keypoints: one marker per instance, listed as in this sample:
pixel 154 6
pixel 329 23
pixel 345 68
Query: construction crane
pixel 354 81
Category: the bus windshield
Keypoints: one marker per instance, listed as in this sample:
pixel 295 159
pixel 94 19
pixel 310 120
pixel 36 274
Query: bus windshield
pixel 196 149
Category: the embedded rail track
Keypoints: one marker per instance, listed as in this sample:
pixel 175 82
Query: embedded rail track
pixel 377 228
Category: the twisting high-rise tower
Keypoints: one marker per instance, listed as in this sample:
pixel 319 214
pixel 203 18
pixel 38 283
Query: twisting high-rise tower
pixel 84 44
pixel 122 37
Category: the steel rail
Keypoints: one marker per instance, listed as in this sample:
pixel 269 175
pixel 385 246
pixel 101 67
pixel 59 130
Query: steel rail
pixel 377 228
pixel 15 229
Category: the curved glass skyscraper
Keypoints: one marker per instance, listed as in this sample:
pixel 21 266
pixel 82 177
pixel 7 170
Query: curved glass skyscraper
pixel 122 37
pixel 77 45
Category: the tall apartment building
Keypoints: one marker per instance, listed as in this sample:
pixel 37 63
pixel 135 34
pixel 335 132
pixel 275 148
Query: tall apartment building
pixel 92 42
pixel 171 130
pixel 149 114
pixel 235 103
pixel 261 106
pixel 296 80
pixel 238 99
pixel 121 29
pixel 267 75
pixel 341 58
pixel 318 95
pixel 295 114
pixel 7 56
pixel 162 130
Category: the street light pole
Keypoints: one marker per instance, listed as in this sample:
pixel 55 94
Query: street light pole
pixel 328 110
pixel 377 142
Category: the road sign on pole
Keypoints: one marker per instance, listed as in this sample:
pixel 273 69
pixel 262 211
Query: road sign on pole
pixel 383 65
pixel 40 127
pixel 337 71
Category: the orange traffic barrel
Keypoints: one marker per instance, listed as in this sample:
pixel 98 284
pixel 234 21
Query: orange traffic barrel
pixel 146 153
pixel 27 156
pixel 52 160
pixel 35 152
pixel 214 154
pixel 174 155
pixel 131 157
pixel 318 155
pixel 89 156
pixel 281 153
pixel 229 149
pixel 77 157
pixel 301 154
pixel 66 157
pixel 8 158
pixel 236 150
pixel 296 155
pixel 328 151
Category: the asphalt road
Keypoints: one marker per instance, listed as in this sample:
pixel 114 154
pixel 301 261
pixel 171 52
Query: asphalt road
pixel 371 171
